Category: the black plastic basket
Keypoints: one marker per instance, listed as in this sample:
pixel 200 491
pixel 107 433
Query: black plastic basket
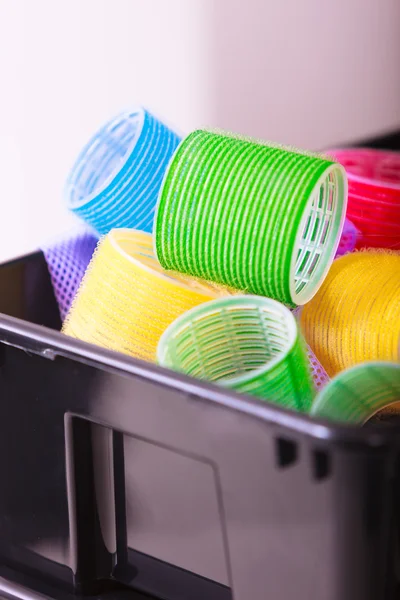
pixel 123 479
pixel 119 475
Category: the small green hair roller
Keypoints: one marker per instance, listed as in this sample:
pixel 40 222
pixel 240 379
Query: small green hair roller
pixel 247 343
pixel 258 218
pixel 359 393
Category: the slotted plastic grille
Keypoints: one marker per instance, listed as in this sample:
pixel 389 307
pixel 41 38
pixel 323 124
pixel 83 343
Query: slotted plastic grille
pixel 319 221
pixel 117 177
pixel 248 343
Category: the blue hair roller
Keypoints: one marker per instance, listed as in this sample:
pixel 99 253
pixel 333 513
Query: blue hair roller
pixel 117 176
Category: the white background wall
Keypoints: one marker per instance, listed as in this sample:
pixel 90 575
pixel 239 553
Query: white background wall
pixel 306 72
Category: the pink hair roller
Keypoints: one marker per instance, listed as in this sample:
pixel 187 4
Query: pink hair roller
pixel 374 194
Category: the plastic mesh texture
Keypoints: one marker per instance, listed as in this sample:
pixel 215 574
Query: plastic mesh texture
pixel 355 395
pixel 258 218
pixel 355 316
pixel 247 343
pixel 374 195
pixel 348 239
pixel 126 300
pixel 319 375
pixel 116 178
pixel 67 260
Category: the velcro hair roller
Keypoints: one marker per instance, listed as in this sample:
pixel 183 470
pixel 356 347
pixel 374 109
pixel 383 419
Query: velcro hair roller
pixel 116 178
pixel 259 218
pixel 355 316
pixel 247 343
pixel 348 239
pixel 357 394
pixel 374 195
pixel 67 260
pixel 126 300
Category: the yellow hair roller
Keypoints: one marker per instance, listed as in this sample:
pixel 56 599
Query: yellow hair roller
pixel 355 315
pixel 126 300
